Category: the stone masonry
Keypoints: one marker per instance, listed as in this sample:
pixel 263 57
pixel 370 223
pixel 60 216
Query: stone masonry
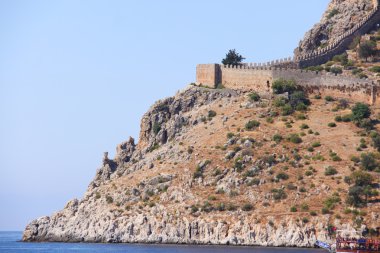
pixel 260 79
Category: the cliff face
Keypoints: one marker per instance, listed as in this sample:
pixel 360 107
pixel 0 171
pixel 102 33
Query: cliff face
pixel 196 176
pixel 340 16
pixel 223 166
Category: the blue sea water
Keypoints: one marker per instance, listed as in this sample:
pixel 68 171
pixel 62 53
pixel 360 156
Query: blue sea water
pixel 10 242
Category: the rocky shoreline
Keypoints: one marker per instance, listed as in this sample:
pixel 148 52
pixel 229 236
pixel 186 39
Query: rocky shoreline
pixel 143 229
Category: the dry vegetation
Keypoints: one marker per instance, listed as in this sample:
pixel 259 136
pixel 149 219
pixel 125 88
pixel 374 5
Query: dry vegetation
pixel 255 156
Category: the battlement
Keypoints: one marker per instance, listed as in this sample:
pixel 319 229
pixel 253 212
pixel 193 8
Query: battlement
pixel 338 46
pixel 273 63
pixel 343 41
pixel 261 78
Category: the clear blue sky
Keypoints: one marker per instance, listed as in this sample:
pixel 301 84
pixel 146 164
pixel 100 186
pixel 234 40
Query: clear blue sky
pixel 77 75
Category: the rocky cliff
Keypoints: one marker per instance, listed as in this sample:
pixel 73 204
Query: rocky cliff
pixel 340 17
pixel 226 166
pixel 201 175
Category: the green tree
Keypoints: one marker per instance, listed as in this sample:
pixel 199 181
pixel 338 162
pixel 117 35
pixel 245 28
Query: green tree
pixel 376 142
pixel 361 178
pixel 355 196
pixel 368 161
pixel 233 58
pixel 367 49
pixel 360 111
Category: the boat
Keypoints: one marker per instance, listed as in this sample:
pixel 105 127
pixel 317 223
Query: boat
pixel 323 245
pixel 361 245
pixel 352 242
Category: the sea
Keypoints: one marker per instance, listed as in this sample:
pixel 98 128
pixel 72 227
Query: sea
pixel 10 242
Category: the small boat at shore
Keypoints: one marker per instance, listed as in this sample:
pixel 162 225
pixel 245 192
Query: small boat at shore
pixel 362 245
pixel 357 244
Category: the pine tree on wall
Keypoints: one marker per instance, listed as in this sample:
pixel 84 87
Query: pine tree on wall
pixel 233 58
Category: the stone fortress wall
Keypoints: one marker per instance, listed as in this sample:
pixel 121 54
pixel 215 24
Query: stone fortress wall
pixel 341 44
pixel 261 78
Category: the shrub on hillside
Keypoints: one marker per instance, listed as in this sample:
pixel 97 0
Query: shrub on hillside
pixel 356 71
pixel 343 103
pixel 279 194
pixel 277 138
pixel 198 172
pixel 336 70
pixel 375 69
pixel 368 161
pixel 238 165
pixel 286 110
pixel 313 213
pixel 332 13
pixel 360 111
pixel 211 114
pixel 247 207
pixel 250 125
pixel 347 118
pixel 341 58
pixel 230 135
pixel 376 142
pixel 207 207
pixel 279 102
pixel 308 173
pixel 315 68
pixel 282 85
pixel 194 209
pixel 109 199
pixel 298 97
pixel 330 171
pixel 304 207
pixel 294 138
pixel 367 49
pixel 221 207
pixel 358 195
pixel 254 96
pixel 361 178
pixel 156 128
pixel 330 202
pixel 367 124
pixel 338 118
pixel 282 176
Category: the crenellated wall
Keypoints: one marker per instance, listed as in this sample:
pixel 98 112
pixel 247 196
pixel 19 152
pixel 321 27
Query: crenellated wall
pixel 260 79
pixel 341 44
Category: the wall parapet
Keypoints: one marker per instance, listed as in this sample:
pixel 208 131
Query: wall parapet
pixel 277 62
pixel 261 78
pixel 341 44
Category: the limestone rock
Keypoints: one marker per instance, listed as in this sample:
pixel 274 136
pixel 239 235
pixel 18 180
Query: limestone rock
pixel 340 16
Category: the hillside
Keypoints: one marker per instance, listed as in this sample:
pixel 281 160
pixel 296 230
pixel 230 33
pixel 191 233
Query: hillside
pixel 220 164
pixel 201 174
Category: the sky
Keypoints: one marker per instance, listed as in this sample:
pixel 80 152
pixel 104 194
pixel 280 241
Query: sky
pixel 76 76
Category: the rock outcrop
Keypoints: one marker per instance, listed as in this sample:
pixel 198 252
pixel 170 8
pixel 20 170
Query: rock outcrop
pixel 340 17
